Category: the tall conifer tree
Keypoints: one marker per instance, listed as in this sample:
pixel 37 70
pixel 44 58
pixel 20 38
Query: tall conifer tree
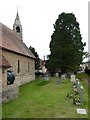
pixel 66 44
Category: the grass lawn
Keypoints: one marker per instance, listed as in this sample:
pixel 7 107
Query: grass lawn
pixel 45 99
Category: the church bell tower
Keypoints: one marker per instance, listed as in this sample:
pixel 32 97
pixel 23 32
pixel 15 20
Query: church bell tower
pixel 17 27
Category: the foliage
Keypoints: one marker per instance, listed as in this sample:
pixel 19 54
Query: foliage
pixel 37 60
pixel 66 46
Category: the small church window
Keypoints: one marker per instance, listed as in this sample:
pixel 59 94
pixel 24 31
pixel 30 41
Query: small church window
pixel 3 70
pixel 18 29
pixel 18 66
pixel 28 67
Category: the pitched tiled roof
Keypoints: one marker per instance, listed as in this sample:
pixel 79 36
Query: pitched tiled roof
pixel 10 41
pixel 3 62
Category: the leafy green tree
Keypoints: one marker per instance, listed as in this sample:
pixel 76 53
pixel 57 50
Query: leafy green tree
pixel 37 60
pixel 66 44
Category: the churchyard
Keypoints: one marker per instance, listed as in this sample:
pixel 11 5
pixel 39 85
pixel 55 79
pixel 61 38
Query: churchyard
pixel 49 98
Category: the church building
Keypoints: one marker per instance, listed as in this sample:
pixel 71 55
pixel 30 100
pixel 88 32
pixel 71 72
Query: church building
pixel 15 55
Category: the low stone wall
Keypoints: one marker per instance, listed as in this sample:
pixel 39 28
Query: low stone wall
pixel 9 93
pixel 22 79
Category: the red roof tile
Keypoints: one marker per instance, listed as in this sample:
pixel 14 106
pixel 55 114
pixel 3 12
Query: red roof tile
pixel 10 41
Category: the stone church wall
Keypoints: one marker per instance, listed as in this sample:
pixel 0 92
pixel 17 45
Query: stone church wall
pixel 20 80
pixel 26 74
pixel 26 68
pixel 0 85
pixel 7 92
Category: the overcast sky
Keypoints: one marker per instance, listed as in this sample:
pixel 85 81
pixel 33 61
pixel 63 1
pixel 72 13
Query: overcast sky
pixel 38 16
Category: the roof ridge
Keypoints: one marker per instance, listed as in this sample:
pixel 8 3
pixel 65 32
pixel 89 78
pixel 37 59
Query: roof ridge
pixel 10 41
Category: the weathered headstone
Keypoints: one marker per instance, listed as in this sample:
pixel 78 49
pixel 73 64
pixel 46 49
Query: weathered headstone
pixel 63 77
pixel 58 82
pixel 78 86
pixel 73 78
pixel 46 78
pixel 81 111
pixel 57 74
pixel 81 94
pixel 77 83
pixel 80 90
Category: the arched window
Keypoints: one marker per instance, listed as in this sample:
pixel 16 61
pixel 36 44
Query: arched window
pixel 28 67
pixel 18 70
pixel 18 29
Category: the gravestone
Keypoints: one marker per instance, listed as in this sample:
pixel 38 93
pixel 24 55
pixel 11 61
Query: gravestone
pixel 63 77
pixel 77 83
pixel 58 82
pixel 81 111
pixel 73 80
pixel 57 74
pixel 81 94
pixel 80 90
pixel 46 78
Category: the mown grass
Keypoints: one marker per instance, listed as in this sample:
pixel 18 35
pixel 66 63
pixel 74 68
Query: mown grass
pixel 44 99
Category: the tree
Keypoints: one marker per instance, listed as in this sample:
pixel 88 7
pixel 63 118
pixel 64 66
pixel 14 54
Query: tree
pixel 37 60
pixel 66 46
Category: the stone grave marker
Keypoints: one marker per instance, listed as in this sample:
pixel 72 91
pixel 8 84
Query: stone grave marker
pixel 73 80
pixel 46 78
pixel 81 111
pixel 63 77
pixel 77 83
pixel 80 90
pixel 58 82
pixel 57 74
pixel 81 94
pixel 78 86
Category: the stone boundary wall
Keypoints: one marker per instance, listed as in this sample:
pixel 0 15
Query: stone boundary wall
pixel 20 80
pixel 9 93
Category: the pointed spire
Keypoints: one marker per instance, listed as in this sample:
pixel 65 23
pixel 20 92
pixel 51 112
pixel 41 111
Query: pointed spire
pixel 17 20
pixel 17 16
pixel 17 27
